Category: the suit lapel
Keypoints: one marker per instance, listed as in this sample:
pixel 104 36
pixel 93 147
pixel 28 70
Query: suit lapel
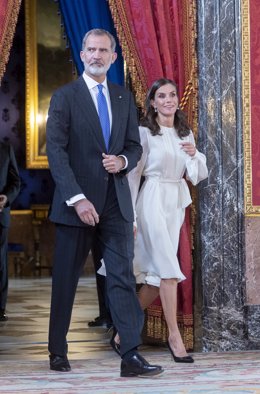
pixel 116 100
pixel 88 110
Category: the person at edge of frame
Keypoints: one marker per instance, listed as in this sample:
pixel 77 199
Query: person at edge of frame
pixel 9 190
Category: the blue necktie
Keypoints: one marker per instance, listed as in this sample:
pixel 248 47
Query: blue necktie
pixel 103 115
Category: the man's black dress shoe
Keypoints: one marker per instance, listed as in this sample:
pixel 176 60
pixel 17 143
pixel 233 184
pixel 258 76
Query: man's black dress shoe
pixel 137 366
pixel 100 322
pixel 59 363
pixel 3 316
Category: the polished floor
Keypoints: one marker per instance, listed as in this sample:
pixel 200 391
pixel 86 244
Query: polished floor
pixel 24 335
pixel 24 364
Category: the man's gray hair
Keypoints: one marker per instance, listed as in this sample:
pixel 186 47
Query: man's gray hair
pixel 99 32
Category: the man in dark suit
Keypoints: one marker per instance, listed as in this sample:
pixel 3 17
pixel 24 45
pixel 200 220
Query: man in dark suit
pixel 9 189
pixel 92 143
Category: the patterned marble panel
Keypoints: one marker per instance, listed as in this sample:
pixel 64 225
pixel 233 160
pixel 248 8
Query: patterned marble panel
pixel 252 315
pixel 253 261
pixel 221 197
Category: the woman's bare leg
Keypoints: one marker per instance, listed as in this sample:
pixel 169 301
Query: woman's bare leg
pixel 168 295
pixel 146 295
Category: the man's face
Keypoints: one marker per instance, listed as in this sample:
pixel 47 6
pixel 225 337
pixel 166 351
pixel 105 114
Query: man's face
pixel 97 56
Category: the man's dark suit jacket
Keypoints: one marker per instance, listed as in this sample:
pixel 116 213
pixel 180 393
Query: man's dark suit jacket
pixel 9 180
pixel 75 151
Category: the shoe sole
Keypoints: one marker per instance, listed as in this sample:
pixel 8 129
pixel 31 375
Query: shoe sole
pixel 145 375
pixel 60 370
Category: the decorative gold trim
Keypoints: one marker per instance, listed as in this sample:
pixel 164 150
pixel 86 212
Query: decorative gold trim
pixel 189 101
pixel 250 209
pixel 13 8
pixel 132 60
pixel 33 159
pixel 129 51
pixel 156 330
pixel 21 212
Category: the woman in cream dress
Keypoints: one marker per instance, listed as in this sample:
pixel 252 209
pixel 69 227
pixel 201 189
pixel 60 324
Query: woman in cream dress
pixel 169 155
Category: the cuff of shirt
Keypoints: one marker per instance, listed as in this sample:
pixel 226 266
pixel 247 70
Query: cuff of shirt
pixel 75 199
pixel 126 162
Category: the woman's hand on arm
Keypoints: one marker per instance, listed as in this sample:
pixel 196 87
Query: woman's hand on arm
pixel 188 148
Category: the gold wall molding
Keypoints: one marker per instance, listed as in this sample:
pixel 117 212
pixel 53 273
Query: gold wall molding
pixel 47 68
pixel 250 209
pixel 33 158
pixel 15 212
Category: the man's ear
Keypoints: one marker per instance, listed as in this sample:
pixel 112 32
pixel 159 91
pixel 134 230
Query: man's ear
pixel 81 55
pixel 114 57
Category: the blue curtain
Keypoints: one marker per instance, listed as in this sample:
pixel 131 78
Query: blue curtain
pixel 79 16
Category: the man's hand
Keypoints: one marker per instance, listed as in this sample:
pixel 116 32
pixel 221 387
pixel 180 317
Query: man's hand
pixel 86 212
pixel 112 163
pixel 3 201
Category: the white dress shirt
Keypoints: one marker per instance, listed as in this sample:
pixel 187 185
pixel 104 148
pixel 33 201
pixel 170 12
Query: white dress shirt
pixel 93 89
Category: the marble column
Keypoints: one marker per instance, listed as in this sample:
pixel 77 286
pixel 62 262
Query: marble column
pixel 221 315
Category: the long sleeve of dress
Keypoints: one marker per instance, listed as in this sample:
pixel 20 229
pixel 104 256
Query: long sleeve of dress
pixel 196 167
pixel 134 176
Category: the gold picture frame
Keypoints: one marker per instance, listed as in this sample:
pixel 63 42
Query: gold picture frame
pixel 47 68
pixel 33 160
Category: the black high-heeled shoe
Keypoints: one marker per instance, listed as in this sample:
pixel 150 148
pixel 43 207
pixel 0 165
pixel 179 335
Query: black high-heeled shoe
pixel 184 359
pixel 115 346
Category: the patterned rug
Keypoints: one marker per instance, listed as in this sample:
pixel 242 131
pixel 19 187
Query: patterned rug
pixel 225 373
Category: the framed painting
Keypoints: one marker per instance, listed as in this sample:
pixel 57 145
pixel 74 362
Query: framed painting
pixel 47 68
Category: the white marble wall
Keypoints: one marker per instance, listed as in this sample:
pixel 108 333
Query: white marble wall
pixel 223 294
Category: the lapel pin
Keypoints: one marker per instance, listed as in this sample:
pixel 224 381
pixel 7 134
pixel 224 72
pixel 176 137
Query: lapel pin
pixel 120 97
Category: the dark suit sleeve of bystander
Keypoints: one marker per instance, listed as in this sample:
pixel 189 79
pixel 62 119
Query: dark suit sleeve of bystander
pixel 10 177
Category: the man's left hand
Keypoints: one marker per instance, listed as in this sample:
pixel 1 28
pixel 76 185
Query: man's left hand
pixel 3 201
pixel 112 163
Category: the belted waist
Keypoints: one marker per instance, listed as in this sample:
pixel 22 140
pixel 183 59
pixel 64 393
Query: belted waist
pixel 163 180
pixel 184 198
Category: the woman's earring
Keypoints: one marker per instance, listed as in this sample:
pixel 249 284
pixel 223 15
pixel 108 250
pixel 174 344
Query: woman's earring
pixel 155 109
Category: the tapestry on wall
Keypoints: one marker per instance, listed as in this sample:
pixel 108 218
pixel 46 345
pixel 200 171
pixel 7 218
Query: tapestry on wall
pixel 9 10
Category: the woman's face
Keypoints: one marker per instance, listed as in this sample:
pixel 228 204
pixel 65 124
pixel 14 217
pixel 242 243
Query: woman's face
pixel 166 100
